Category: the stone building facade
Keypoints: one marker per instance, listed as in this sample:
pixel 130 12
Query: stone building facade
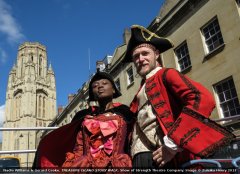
pixel 206 40
pixel 30 99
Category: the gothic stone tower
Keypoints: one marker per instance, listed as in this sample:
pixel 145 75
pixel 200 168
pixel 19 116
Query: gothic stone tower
pixel 30 99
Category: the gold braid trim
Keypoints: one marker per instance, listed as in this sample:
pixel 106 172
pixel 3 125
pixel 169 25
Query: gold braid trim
pixel 150 33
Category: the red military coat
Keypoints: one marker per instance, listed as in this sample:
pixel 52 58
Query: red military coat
pixel 182 108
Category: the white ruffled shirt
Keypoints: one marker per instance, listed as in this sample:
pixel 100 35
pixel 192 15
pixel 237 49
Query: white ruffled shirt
pixel 149 124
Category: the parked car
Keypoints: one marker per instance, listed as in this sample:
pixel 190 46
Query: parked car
pixel 9 162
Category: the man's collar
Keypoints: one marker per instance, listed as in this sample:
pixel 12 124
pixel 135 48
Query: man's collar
pixel 150 74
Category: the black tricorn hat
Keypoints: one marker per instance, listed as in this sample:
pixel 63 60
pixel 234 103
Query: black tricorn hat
pixel 98 76
pixel 140 35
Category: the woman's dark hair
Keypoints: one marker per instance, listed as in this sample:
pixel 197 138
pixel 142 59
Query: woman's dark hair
pixel 99 76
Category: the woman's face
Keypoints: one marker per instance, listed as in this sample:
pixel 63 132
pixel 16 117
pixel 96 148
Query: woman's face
pixel 102 89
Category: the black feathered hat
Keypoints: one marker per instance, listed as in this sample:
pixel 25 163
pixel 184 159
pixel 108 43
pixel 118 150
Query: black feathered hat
pixel 98 76
pixel 140 35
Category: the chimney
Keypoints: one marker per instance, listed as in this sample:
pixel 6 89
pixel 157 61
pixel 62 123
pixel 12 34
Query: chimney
pixel 70 97
pixel 126 35
pixel 100 66
pixel 60 109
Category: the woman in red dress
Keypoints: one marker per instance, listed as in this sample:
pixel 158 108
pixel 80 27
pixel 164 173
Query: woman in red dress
pixel 101 133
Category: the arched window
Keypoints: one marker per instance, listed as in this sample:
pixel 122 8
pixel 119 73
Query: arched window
pixel 40 66
pixel 41 103
pixel 16 108
pixel 44 98
pixel 39 106
pixel 17 104
pixel 22 66
pixel 30 59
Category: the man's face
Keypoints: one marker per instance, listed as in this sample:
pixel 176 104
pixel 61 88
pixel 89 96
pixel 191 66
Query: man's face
pixel 144 59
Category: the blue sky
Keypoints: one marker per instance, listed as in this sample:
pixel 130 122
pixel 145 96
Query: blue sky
pixel 69 29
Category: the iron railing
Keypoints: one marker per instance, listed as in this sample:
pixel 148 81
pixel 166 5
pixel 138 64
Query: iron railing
pixel 24 129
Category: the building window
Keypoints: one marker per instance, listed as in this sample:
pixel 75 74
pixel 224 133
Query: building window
pixel 22 67
pixel 44 100
pixel 212 35
pixel 40 66
pixel 39 106
pixel 183 57
pixel 227 97
pixel 117 83
pixel 130 78
pixel 19 106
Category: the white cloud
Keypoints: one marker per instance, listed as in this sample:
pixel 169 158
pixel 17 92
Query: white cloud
pixel 2 113
pixel 8 24
pixel 3 56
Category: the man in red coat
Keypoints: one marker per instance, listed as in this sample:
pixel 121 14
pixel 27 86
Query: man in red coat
pixel 172 110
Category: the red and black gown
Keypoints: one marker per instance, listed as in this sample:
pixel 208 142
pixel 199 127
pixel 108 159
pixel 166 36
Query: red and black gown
pixel 93 139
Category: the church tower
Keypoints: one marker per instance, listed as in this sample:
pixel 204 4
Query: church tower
pixel 30 99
